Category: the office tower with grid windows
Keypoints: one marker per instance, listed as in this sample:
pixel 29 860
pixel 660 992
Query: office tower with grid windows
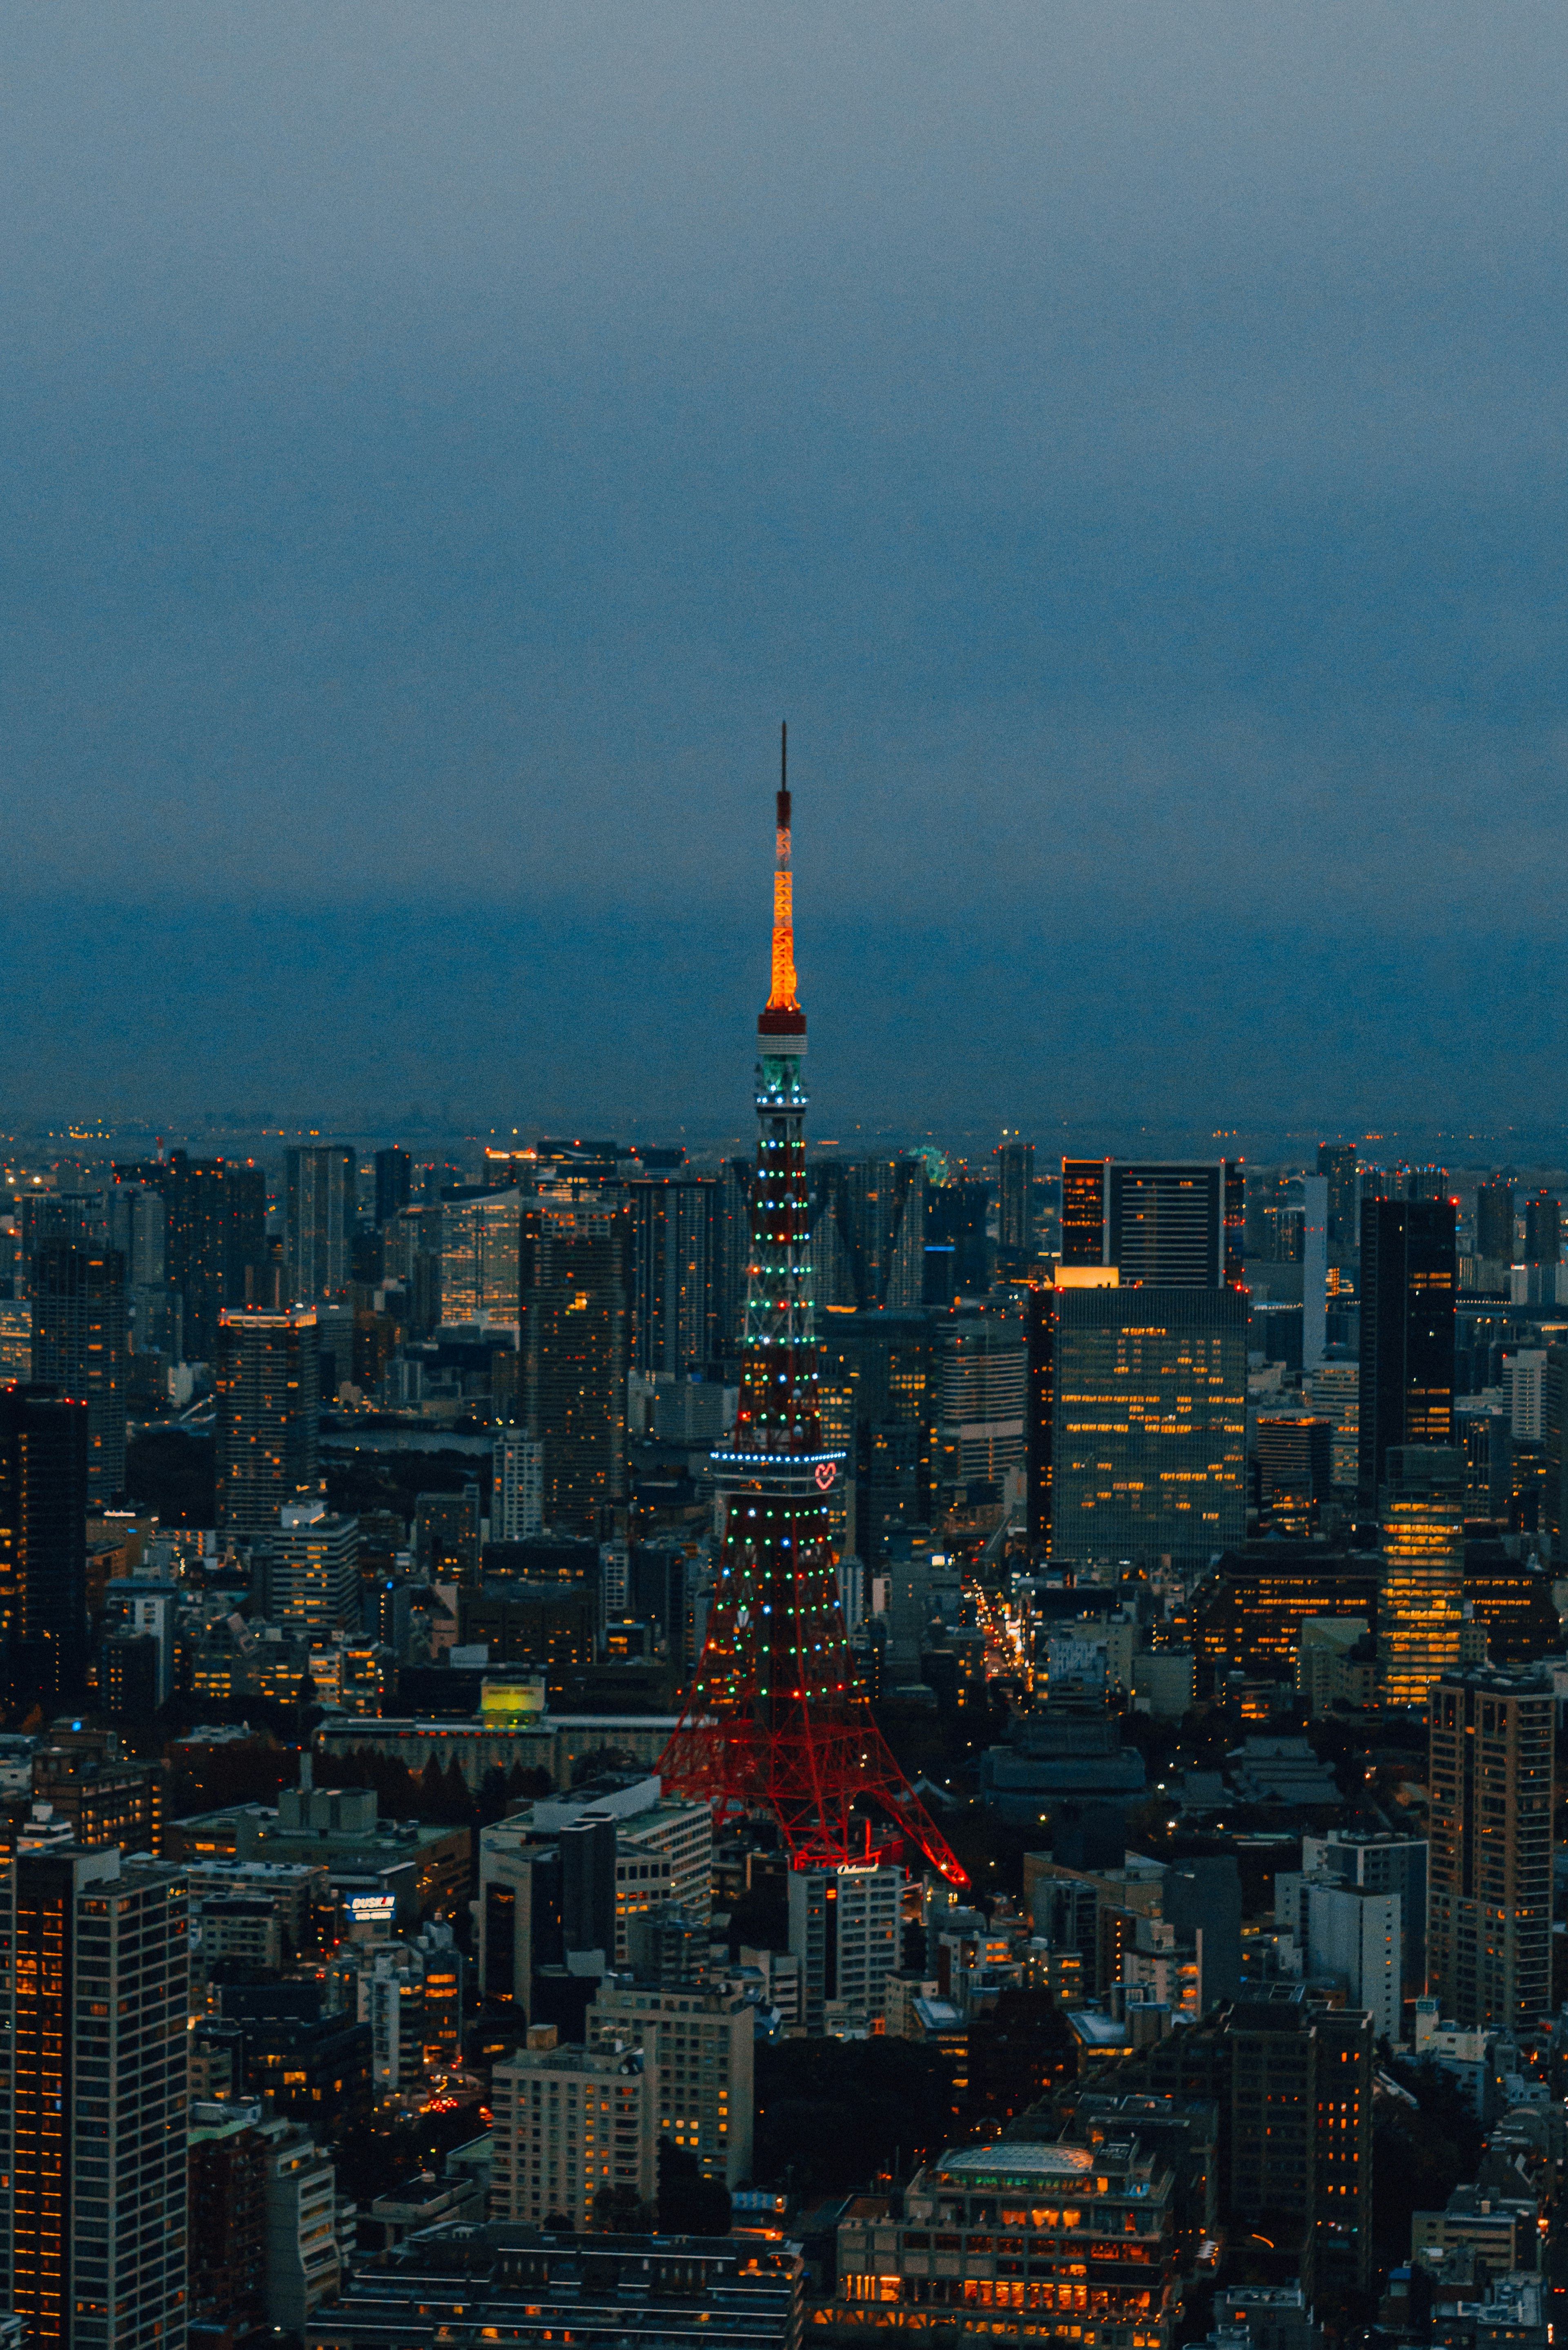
pixel 1015 1201
pixel 313 1567
pixel 675 1239
pixel 319 1184
pixel 517 1487
pixel 268 1390
pixel 1408 1276
pixel 1136 1426
pixel 844 1927
pixel 1543 1229
pixel 79 1348
pixel 93 2108
pixel 214 1238
pixel 1421 1600
pixel 1166 1223
pixel 1488 1916
pixel 480 1235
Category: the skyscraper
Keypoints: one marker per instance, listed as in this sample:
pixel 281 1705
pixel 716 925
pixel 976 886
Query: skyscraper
pixel 1162 1222
pixel 675 1272
pixel 394 1177
pixel 1336 1163
pixel 268 1394
pixel 1494 1221
pixel 1137 1424
pixel 1420 1602
pixel 575 1344
pixel 214 1237
pixel 79 1347
pixel 1015 1201
pixel 1488 1956
pixel 1543 1229
pixel 318 1183
pixel 43 1542
pixel 92 2106
pixel 1408 1271
pixel 481 1238
pixel 517 1490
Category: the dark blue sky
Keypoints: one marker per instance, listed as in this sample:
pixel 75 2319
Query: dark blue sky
pixel 436 445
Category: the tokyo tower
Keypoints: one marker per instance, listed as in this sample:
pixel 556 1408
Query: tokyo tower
pixel 772 1721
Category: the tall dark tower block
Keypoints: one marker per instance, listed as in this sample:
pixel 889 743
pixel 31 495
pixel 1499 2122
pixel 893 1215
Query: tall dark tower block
pixel 1408 1269
pixel 43 1542
pixel 394 1177
pixel 1337 1160
pixel 772 1722
pixel 1494 1223
pixel 79 1347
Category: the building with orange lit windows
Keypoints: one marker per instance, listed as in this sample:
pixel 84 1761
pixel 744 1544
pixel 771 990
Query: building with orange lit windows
pixel 1052 2242
pixel 575 1339
pixel 1488 1911
pixel 1421 1594
pixel 93 2110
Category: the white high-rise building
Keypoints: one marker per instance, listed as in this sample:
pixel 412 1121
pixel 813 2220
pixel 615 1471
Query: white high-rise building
pixel 93 2102
pixel 517 1498
pixel 844 1927
pixel 698 2049
pixel 1524 1393
pixel 569 2125
pixel 313 1580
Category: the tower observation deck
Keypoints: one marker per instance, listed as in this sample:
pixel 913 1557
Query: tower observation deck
pixel 772 1722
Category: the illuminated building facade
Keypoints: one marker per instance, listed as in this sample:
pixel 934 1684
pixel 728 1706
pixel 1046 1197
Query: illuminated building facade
pixel 570 2124
pixel 313 1572
pixel 1408 1274
pixel 269 1388
pixel 1336 1164
pixel 1246 1615
pixel 1168 1223
pixel 1489 1958
pixel 93 2108
pixel 771 1720
pixel 574 1350
pixel 696 2049
pixel 1147 1395
pixel 1420 1605
pixel 481 1234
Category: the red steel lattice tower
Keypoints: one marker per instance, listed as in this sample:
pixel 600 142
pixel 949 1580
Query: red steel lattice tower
pixel 772 1721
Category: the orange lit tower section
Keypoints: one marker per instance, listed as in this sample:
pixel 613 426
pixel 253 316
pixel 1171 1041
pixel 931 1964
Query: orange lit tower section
pixel 772 1724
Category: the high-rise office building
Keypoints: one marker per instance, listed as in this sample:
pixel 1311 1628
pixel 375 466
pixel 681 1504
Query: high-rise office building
pixel 675 1235
pixel 844 1927
pixel 696 2049
pixel 1015 1201
pixel 734 1244
pixel 394 1183
pixel 575 1344
pixel 43 1542
pixel 480 1235
pixel 79 1348
pixel 880 1386
pixel 1494 1223
pixel 319 1213
pixel 1408 1274
pixel 1162 1223
pixel 1489 1956
pixel 1380 1862
pixel 1336 1164
pixel 1543 1229
pixel 268 1394
pixel 517 1489
pixel 983 1385
pixel 215 1250
pixel 955 1226
pixel 313 1568
pixel 92 2106
pixel 571 2124
pixel 1137 1425
pixel 1420 1604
